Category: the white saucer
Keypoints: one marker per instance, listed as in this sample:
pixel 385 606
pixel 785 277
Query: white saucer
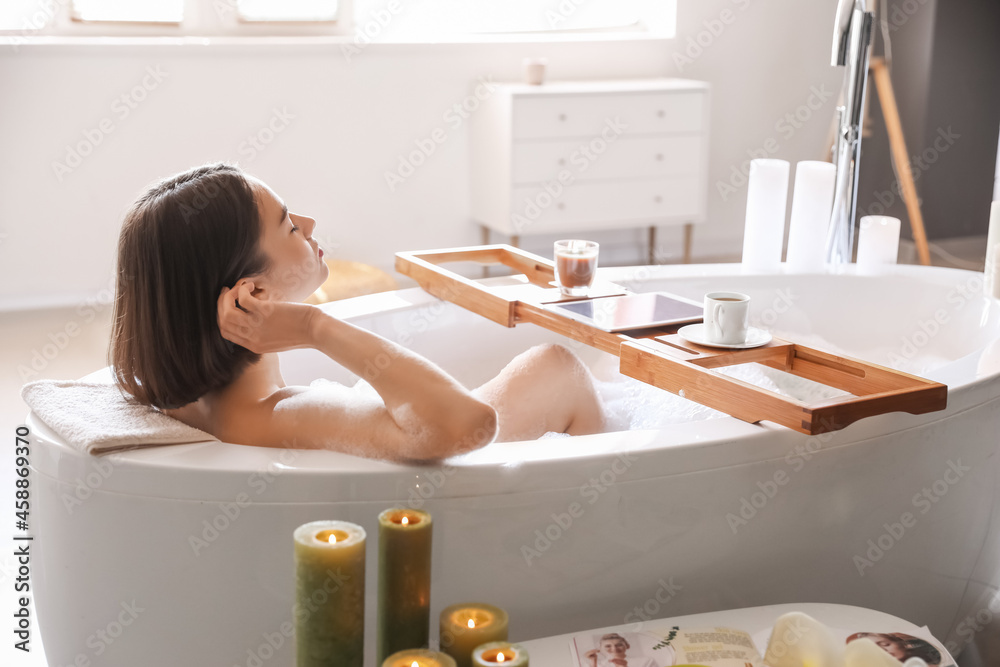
pixel 695 333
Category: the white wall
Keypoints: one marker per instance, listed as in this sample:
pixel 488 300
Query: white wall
pixel 351 122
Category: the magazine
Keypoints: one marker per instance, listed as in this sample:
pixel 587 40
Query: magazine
pixel 667 645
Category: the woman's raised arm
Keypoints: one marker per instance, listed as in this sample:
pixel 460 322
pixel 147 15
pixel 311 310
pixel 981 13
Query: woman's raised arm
pixel 426 415
pixel 438 416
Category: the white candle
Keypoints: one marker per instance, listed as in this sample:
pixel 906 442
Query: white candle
pixel 991 280
pixel 992 276
pixel 764 232
pixel 878 243
pixel 812 203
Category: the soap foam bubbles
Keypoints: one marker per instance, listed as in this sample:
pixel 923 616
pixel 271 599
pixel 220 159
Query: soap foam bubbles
pixel 631 404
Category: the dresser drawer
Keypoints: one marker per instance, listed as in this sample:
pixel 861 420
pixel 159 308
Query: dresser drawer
pixel 590 115
pixel 583 206
pixel 626 157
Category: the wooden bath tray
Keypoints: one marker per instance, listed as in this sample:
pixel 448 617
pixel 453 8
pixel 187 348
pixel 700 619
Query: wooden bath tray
pixel 658 356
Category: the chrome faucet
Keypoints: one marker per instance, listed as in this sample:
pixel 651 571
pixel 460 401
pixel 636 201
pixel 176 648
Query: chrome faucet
pixel 852 33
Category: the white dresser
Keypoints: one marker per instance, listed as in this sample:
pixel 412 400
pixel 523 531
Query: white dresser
pixel 591 155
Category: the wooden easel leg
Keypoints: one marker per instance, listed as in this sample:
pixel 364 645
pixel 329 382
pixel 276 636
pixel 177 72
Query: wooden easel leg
pixel 688 238
pixel 652 245
pixel 897 143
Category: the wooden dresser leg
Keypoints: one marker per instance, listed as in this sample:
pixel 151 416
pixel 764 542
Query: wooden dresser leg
pixel 515 241
pixel 652 244
pixel 486 241
pixel 688 236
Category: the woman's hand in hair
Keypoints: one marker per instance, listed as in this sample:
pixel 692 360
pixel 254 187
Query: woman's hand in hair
pixel 264 325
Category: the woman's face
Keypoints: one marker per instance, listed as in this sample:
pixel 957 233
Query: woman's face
pixel 614 648
pixel 892 648
pixel 297 268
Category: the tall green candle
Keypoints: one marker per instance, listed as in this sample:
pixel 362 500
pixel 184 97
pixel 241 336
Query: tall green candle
pixel 404 581
pixel 329 594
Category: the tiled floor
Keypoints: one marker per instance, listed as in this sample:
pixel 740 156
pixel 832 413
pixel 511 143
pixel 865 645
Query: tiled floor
pixel 35 344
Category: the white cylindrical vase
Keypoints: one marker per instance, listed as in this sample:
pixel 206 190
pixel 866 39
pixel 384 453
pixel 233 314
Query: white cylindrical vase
pixel 878 243
pixel 534 71
pixel 812 203
pixel 992 275
pixel 767 193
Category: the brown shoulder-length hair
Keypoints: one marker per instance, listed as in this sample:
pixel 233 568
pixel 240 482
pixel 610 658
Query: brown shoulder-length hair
pixel 184 240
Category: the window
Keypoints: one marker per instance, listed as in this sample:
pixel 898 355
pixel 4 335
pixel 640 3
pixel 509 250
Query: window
pixel 449 19
pixel 287 10
pixel 453 17
pixel 129 11
pixel 25 15
pixel 373 20
pixel 23 18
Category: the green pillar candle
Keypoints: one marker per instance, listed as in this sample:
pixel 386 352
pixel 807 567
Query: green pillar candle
pixel 500 653
pixel 404 581
pixel 329 594
pixel 420 658
pixel 468 625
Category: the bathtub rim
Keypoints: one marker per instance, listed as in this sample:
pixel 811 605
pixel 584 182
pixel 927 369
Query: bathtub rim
pixel 220 472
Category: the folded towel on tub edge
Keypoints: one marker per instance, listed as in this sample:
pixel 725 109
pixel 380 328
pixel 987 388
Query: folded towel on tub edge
pixel 96 418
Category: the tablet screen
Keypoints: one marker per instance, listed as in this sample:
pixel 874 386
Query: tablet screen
pixel 634 311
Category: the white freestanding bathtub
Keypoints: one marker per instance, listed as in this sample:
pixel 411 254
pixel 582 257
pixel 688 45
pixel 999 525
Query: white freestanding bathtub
pixel 183 554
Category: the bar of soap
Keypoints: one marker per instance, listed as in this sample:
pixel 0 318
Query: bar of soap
pixel 866 653
pixel 799 640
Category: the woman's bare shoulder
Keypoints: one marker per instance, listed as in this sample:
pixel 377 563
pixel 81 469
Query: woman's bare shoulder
pixel 245 420
pixel 323 416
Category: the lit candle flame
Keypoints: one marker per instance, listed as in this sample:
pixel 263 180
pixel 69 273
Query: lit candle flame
pixel 414 664
pixel 405 521
pixel 501 657
pixel 472 623
pixel 332 539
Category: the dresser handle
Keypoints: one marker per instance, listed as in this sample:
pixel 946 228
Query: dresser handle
pixel 658 199
pixel 659 157
pixel 661 113
pixel 561 206
pixel 562 162
pixel 562 116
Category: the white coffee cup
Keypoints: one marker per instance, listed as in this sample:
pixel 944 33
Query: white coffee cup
pixel 726 318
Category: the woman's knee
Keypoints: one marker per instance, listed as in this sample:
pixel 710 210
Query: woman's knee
pixel 559 362
pixel 556 353
pixel 545 364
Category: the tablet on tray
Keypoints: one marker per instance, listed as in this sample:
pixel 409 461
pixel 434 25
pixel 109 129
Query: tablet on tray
pixel 632 311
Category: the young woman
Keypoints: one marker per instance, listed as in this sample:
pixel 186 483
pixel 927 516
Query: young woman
pixel 902 646
pixel 212 271
pixel 613 650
